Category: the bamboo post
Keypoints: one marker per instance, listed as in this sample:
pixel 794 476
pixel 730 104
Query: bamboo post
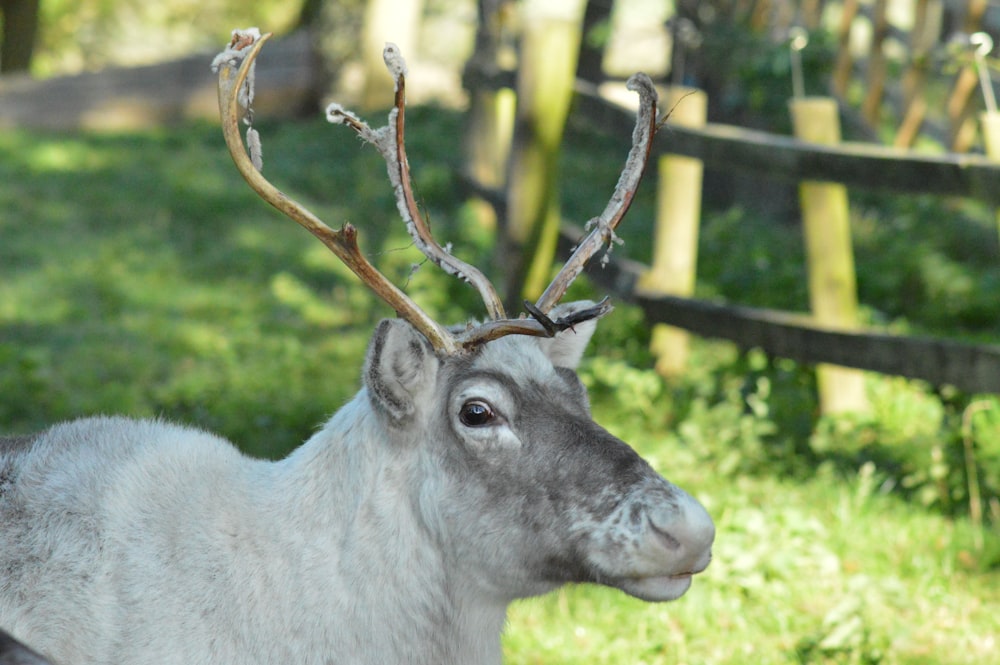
pixel 872 105
pixel 961 116
pixel 675 237
pixel 826 225
pixel 926 25
pixel 760 15
pixel 845 61
pixel 811 11
pixel 546 73
pixel 959 107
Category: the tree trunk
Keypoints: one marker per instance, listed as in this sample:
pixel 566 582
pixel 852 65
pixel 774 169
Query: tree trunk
pixel 335 30
pixel 549 49
pixel 396 21
pixel 489 122
pixel 20 27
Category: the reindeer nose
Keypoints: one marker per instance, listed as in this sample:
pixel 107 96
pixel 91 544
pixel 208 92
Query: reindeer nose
pixel 686 529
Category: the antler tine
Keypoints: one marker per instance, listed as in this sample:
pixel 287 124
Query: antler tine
pixel 234 84
pixel 391 144
pixel 603 233
pixel 604 225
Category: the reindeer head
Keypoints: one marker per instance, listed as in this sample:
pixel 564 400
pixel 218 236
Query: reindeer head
pixel 498 405
pixel 533 493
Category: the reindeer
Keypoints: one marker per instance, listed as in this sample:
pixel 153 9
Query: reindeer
pixel 466 473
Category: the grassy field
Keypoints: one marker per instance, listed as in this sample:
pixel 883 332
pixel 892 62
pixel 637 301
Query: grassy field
pixel 138 275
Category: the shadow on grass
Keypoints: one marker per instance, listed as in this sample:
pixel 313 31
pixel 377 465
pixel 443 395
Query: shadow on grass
pixel 140 275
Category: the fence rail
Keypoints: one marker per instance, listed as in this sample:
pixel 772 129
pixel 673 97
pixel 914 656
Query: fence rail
pixel 864 165
pixel 969 367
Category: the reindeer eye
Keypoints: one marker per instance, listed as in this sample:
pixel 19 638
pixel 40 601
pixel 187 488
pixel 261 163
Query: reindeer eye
pixel 476 413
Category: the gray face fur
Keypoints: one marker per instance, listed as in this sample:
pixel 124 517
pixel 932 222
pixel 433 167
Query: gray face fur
pixel 529 476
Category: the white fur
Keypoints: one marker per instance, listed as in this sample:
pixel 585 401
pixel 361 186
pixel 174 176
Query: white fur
pixel 135 542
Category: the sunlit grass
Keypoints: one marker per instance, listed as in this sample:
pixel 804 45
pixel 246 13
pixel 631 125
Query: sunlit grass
pixel 815 572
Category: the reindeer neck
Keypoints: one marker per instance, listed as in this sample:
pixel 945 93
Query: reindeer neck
pixel 366 513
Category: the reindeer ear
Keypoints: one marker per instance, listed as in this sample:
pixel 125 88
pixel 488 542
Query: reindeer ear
pixel 400 365
pixel 567 347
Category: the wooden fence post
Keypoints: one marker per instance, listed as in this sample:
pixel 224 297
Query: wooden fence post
pixel 872 106
pixel 961 118
pixel 923 36
pixel 990 121
pixel 845 61
pixel 826 225
pixel 675 237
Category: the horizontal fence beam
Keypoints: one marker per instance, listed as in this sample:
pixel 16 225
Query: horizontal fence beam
pixel 969 367
pixel 862 165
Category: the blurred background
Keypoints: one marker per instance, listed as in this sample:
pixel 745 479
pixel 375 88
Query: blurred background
pixel 806 331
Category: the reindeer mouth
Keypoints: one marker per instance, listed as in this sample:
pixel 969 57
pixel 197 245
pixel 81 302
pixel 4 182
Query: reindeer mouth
pixel 658 588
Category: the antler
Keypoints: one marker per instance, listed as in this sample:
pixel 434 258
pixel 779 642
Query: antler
pixel 234 84
pixel 236 91
pixel 389 141
pixel 604 225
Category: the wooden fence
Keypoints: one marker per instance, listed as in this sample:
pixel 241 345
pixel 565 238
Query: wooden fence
pixel 863 165
pixel 973 368
pixel 968 367
pixel 914 70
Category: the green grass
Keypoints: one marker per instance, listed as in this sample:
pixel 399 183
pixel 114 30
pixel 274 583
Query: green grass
pixel 139 275
pixel 826 570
